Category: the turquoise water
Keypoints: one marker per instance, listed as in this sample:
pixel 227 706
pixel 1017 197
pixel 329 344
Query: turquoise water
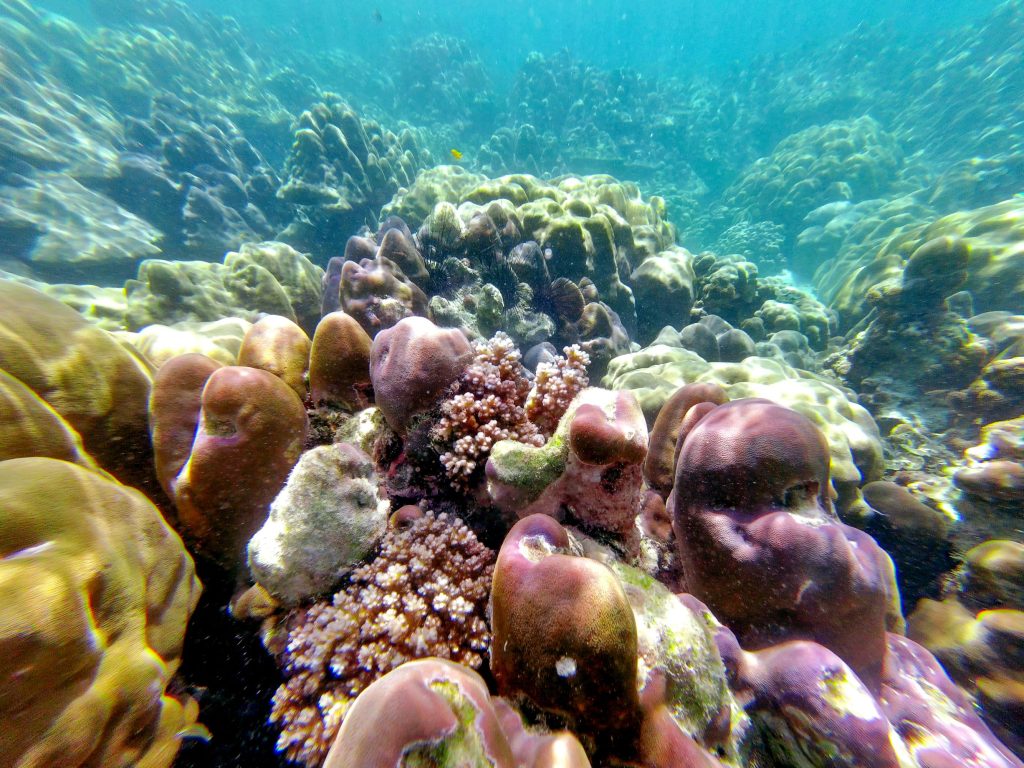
pixel 664 39
pixel 661 365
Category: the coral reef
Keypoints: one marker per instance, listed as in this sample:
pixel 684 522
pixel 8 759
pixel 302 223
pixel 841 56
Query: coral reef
pixel 608 650
pixel 270 278
pixel 679 414
pixel 556 383
pixel 655 372
pixel 340 170
pixel 759 242
pixel 976 632
pixel 843 160
pixel 371 286
pixel 990 238
pixel 664 288
pixel 277 345
pixel 557 619
pixel 217 339
pixel 913 534
pixel 442 81
pixel 422 595
pixel 593 227
pixel 912 337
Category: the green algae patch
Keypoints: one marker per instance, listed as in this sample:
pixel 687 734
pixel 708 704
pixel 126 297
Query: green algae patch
pixel 463 747
pixel 678 643
pixel 529 469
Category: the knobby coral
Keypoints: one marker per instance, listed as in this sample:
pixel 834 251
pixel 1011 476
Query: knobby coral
pixel 487 405
pixel 555 386
pixel 423 595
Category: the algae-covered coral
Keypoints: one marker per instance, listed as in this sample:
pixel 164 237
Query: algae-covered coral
pixel 585 407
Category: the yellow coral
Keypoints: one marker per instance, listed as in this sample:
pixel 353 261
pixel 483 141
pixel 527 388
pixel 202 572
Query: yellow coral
pixel 96 384
pixel 994 236
pixel 95 593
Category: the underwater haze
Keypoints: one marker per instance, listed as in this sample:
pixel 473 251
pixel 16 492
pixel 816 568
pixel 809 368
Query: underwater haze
pixel 537 385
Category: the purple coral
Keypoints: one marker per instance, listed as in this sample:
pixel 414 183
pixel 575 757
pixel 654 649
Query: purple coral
pixel 423 595
pixel 760 544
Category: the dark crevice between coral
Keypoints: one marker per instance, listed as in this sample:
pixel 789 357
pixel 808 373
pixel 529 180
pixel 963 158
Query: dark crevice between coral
pixel 228 671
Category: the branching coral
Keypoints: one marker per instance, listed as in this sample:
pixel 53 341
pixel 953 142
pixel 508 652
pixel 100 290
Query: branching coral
pixel 423 595
pixel 556 384
pixel 493 401
pixel 487 405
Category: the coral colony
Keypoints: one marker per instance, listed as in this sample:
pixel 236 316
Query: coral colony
pixel 317 451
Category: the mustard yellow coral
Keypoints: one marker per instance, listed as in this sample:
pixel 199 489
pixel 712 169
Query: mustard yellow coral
pixel 96 384
pixel 95 593
pixel 993 236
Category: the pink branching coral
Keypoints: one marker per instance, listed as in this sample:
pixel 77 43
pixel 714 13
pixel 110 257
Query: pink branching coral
pixel 425 594
pixel 555 386
pixel 486 405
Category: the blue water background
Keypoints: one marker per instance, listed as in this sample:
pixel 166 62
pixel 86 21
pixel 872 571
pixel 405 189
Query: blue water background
pixel 656 38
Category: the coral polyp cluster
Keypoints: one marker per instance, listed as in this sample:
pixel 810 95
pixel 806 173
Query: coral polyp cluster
pixel 555 385
pixel 486 405
pixel 423 594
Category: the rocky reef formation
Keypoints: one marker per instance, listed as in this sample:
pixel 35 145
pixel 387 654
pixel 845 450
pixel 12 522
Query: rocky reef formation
pixel 339 171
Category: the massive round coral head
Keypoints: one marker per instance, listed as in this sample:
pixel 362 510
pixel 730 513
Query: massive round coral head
pixel 411 365
pixel 277 345
pixel 564 633
pixel 250 431
pixel 761 546
pixel 339 362
pixel 420 710
pixel 599 438
pixel 95 593
pixel 677 417
pixel 753 453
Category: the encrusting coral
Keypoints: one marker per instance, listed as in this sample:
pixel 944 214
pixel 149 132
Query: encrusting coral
pixel 423 595
pixel 590 471
pixel 325 520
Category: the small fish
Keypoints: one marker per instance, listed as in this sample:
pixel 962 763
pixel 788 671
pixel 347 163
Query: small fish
pixel 377 17
pixel 456 154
